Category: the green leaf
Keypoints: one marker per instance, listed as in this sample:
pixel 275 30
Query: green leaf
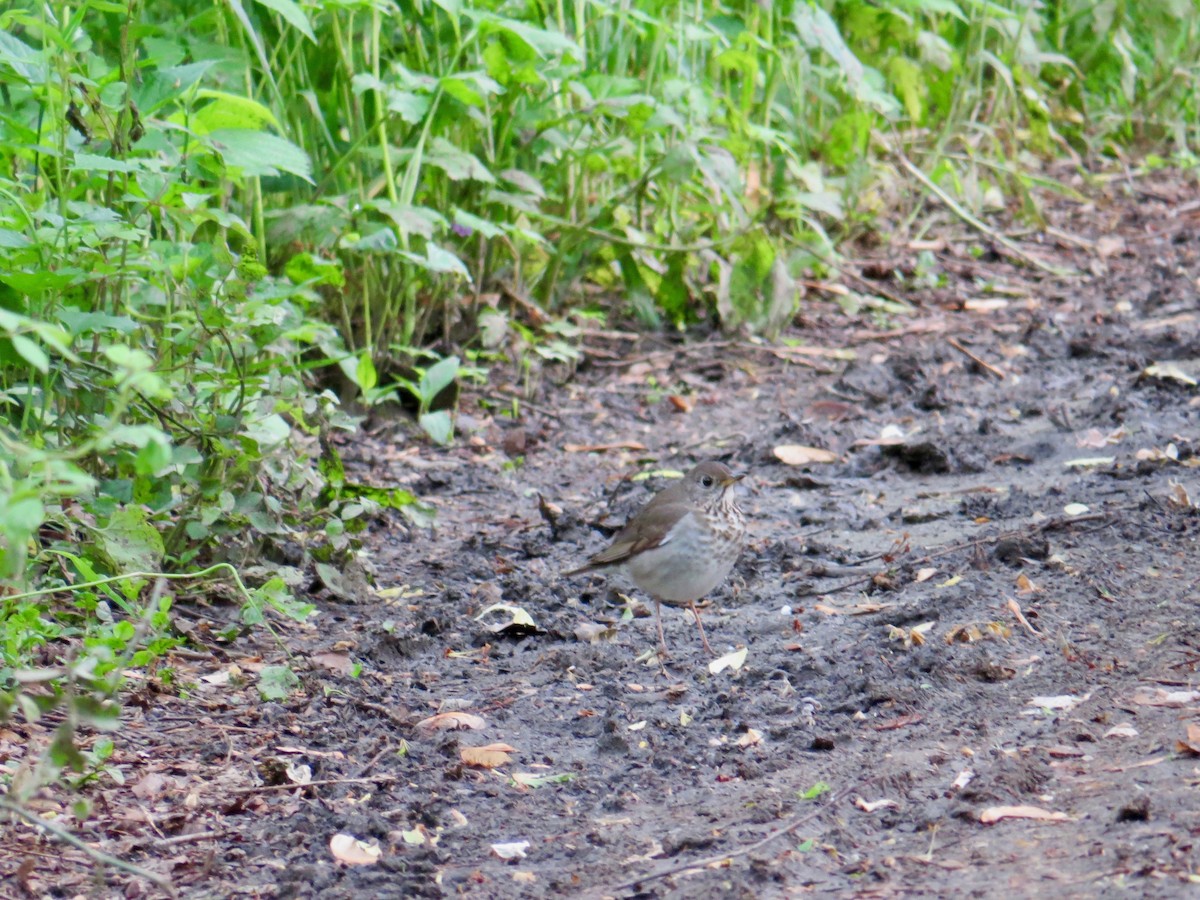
pixel 277 682
pixel 439 426
pixel 130 541
pixel 31 353
pixel 457 164
pixel 292 14
pixel 227 112
pixel 259 153
pixel 436 379
pixel 365 375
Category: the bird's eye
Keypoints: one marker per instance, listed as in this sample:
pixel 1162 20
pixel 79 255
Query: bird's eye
pixel 707 481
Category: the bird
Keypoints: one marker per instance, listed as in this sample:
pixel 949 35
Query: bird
pixel 682 544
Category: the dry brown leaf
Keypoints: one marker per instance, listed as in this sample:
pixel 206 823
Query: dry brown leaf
pixel 799 455
pixel 751 738
pixel 1015 608
pixel 1170 699
pixel 1191 744
pixel 486 757
pixel 971 633
pixel 337 663
pixel 995 813
pixel 353 852
pixel 1026 586
pixel 451 721
pixel 924 574
pixel 681 404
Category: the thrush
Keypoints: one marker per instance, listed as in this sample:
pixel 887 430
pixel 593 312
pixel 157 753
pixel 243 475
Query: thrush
pixel 682 544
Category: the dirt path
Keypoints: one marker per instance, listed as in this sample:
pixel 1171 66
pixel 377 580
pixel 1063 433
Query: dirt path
pixel 983 608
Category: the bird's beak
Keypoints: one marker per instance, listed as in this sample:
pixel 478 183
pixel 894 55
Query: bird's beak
pixel 733 479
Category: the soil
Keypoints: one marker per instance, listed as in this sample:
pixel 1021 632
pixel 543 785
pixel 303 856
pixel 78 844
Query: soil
pixel 970 636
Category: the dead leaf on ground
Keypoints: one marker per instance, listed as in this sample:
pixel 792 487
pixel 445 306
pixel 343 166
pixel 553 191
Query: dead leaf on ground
pixel 734 661
pixel 451 721
pixel 353 852
pixel 337 663
pixel 798 455
pixel 487 757
pixel 972 633
pixel 1061 702
pixel 1169 699
pixel 593 632
pixel 924 574
pixel 1190 745
pixel 995 813
pixel 1121 729
pixel 511 850
pixel 1025 585
pixel 1168 371
pixel 751 738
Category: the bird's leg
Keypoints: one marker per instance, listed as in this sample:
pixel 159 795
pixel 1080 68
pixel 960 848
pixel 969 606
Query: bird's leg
pixel 703 639
pixel 662 641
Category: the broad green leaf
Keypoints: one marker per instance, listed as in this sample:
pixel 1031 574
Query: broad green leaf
pixel 31 353
pixel 437 378
pixel 229 112
pixel 277 682
pixel 292 14
pixel 259 153
pixel 130 541
pixel 439 426
pixel 365 375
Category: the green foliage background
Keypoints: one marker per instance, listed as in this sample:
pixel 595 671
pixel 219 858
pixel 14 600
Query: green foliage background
pixel 206 208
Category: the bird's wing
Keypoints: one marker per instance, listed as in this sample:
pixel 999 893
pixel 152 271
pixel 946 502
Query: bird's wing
pixel 649 530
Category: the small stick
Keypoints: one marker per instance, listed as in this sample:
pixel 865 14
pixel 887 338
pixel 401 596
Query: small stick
pixel 987 367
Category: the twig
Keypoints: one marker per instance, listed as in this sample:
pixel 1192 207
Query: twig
pixel 98 855
pixel 978 225
pixel 795 823
pixel 299 786
pixel 987 367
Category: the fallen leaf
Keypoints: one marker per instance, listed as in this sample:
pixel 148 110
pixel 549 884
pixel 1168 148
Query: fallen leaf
pixel 451 721
pixel 1191 744
pixel 996 813
pixel 522 877
pixel 965 777
pixel 511 850
pixel 353 852
pixel 971 633
pixel 734 661
pixel 1090 462
pixel 1061 701
pixel 1169 371
pixel 873 805
pixel 593 633
pixel 486 757
pixel 924 574
pixel 337 663
pixel 751 738
pixel 1026 586
pixel 1075 509
pixel 681 404
pixel 797 455
pixel 1171 699
pixel 1123 729
pixel 529 780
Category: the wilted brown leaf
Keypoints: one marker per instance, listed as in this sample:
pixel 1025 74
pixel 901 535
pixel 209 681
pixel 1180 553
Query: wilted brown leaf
pixel 487 757
pixel 1190 745
pixel 450 721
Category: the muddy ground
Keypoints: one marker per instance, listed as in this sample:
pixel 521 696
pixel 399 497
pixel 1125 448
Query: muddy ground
pixel 971 636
